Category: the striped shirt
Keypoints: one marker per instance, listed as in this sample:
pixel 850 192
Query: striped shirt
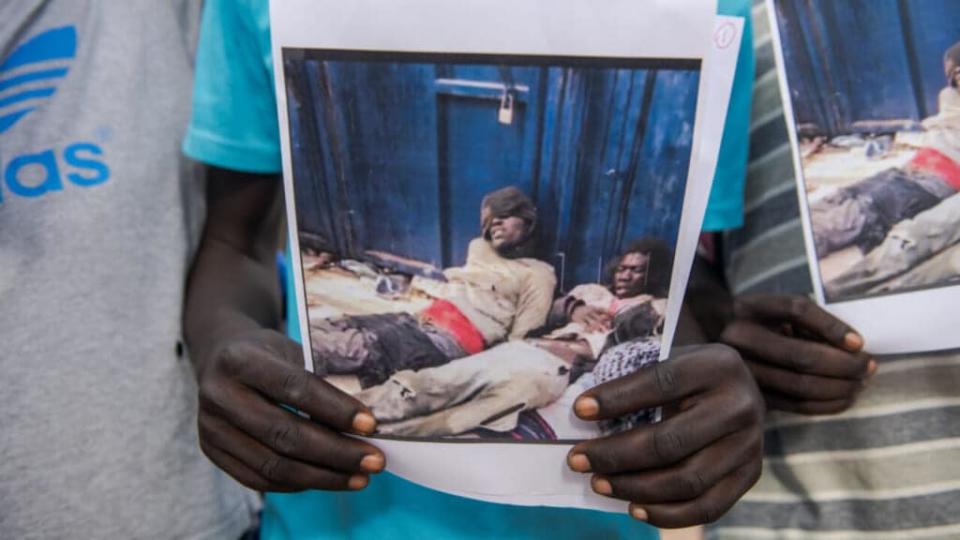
pixel 889 468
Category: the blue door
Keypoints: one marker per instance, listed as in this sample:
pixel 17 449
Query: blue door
pixel 865 65
pixel 488 125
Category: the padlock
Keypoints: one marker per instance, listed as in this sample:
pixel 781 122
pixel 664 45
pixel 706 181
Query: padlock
pixel 505 114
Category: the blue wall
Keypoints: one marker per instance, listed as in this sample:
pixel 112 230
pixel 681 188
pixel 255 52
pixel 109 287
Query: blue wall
pixel 397 156
pixel 865 65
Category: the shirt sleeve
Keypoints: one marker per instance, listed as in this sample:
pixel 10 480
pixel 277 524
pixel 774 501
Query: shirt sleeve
pixel 535 302
pixel 234 119
pixel 561 309
pixel 725 207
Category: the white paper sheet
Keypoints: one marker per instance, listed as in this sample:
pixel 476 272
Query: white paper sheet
pixel 901 319
pixel 516 473
pixel 716 86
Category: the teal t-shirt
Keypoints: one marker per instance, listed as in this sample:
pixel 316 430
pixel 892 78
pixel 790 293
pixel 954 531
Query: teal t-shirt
pixel 234 126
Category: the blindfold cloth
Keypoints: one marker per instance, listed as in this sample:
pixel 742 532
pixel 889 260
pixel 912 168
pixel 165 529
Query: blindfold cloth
pixel 509 202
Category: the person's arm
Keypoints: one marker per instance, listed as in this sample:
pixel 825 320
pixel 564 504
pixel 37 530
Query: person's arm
pixel 535 302
pixel 246 369
pixel 572 308
pixel 233 287
pixel 708 301
pixel 561 310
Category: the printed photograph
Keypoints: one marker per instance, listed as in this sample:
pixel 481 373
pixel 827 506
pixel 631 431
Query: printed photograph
pixel 875 89
pixel 483 238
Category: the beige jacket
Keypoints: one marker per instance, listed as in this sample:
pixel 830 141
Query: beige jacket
pixel 943 129
pixel 503 298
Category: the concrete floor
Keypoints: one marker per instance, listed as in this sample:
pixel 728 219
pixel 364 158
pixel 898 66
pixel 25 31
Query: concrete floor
pixel 333 293
pixel 830 168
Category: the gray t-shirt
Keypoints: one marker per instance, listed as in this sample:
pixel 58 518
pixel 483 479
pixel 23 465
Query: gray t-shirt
pixel 99 217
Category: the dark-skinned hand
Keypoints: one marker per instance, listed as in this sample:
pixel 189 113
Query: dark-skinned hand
pixel 804 359
pixel 693 466
pixel 245 431
pixel 592 318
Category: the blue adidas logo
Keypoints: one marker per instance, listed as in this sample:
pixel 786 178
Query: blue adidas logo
pixel 28 77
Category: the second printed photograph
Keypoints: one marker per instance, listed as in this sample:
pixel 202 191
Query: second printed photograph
pixel 875 91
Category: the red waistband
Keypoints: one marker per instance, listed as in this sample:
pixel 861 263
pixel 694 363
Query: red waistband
pixel 448 317
pixel 930 160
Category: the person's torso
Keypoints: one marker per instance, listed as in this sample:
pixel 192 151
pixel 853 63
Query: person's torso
pixel 489 288
pixel 99 216
pixel 943 129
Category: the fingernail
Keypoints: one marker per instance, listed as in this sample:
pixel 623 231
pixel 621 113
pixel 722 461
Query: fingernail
pixel 853 341
pixel 586 407
pixel 871 368
pixel 358 481
pixel 372 463
pixel 601 485
pixel 364 423
pixel 639 513
pixel 579 462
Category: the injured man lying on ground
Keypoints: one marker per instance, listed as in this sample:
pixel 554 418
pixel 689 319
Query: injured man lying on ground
pixel 499 293
pixel 902 219
pixel 524 388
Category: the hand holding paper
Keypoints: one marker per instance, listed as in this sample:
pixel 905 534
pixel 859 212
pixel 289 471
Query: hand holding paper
pixel 272 449
pixel 690 468
pixel 804 359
